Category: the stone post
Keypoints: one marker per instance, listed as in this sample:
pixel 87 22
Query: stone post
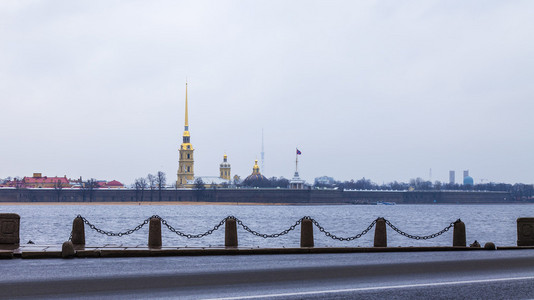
pixel 381 238
pixel 306 233
pixel 458 237
pixel 525 231
pixel 9 229
pixel 154 233
pixel 489 246
pixel 78 231
pixel 67 250
pixel 230 233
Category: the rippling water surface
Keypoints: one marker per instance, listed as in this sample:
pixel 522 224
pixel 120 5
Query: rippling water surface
pixel 51 224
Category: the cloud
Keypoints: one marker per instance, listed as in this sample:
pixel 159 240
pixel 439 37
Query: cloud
pixel 381 90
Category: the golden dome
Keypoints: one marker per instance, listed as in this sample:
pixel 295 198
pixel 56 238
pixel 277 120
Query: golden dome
pixel 255 179
pixel 256 168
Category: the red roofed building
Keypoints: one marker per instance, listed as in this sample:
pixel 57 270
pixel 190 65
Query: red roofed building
pixel 38 181
pixel 114 184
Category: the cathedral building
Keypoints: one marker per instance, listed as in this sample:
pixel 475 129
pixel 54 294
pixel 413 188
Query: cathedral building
pixel 186 162
pixel 186 167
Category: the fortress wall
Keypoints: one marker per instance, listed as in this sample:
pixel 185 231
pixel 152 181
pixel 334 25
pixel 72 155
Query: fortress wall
pixel 371 197
pixel 254 196
pixel 453 197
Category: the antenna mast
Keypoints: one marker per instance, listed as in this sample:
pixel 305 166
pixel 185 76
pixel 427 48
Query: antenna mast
pixel 262 153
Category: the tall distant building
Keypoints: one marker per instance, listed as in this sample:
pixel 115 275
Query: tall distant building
pixel 186 171
pixel 186 163
pixel 452 176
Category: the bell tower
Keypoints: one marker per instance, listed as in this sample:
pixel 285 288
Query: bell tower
pixel 186 162
pixel 225 168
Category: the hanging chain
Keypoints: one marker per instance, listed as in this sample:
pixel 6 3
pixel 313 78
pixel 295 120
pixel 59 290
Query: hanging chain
pixel 193 236
pixel 265 236
pixel 417 237
pixel 335 237
pixel 110 233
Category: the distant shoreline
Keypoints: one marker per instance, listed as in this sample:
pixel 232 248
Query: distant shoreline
pixel 250 197
pixel 185 203
pixel 149 203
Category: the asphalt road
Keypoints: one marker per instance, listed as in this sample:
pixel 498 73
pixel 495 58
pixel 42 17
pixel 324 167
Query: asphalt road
pixel 421 275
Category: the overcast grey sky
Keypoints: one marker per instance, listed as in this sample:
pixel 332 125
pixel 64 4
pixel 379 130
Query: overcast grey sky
pixel 379 89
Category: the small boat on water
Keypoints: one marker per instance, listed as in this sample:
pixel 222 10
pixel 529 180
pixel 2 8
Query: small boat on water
pixel 385 203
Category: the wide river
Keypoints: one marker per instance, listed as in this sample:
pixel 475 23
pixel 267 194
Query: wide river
pixel 51 224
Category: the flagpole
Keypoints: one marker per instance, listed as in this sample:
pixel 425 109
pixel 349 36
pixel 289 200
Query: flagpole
pixel 296 161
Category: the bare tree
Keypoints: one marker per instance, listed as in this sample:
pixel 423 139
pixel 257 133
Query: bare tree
pixel 83 189
pixel 199 184
pixel 237 180
pixel 88 188
pixel 200 187
pixel 161 180
pixel 175 185
pixel 19 183
pixel 140 186
pixel 58 187
pixel 152 185
pixel 91 185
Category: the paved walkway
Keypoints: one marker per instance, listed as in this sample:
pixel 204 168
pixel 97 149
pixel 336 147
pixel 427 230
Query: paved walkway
pixel 409 275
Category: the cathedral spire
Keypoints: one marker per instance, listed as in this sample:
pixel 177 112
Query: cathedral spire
pixel 186 172
pixel 186 119
pixel 186 125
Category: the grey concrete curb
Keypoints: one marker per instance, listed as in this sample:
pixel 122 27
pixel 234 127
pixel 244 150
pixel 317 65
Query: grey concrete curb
pixel 40 254
pixel 262 251
pixel 158 252
pixel 6 254
pixel 87 253
pixel 515 247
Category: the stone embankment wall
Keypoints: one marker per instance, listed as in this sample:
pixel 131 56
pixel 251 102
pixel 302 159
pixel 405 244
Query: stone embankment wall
pixel 254 196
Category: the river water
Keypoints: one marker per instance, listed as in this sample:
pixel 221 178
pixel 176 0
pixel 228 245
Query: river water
pixel 51 224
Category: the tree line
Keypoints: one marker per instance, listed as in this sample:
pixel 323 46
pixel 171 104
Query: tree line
pixel 518 190
pixel 150 183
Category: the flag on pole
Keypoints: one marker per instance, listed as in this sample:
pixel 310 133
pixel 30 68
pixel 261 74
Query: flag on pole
pixel 298 152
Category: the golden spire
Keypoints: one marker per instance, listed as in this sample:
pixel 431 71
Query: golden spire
pixel 186 127
pixel 186 119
